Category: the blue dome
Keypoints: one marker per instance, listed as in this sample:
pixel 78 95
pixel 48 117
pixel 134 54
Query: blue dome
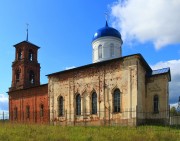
pixel 106 31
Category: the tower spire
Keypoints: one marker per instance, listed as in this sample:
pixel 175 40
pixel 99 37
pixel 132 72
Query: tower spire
pixel 106 17
pixel 27 32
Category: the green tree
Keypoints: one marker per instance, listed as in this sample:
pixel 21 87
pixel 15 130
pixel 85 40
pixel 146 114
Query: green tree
pixel 173 111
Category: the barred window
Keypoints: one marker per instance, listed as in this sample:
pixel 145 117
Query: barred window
pixel 156 104
pixel 41 110
pixel 100 51
pixel 94 103
pixel 27 111
pixel 116 100
pixel 61 106
pixel 78 104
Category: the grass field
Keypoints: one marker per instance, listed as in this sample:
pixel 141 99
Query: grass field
pixel 19 132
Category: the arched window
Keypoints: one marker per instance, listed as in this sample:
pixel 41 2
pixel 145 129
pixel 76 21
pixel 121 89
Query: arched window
pixel 156 104
pixel 18 75
pixel 15 113
pixel 94 103
pixel 100 51
pixel 112 50
pixel 31 77
pixel 78 104
pixel 28 111
pixel 30 55
pixel 41 110
pixel 60 106
pixel 19 54
pixel 116 100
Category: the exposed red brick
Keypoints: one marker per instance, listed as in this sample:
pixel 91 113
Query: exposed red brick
pixel 33 97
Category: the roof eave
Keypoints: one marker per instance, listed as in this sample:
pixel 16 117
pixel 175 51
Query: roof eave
pixel 168 73
pixel 28 43
pixel 103 62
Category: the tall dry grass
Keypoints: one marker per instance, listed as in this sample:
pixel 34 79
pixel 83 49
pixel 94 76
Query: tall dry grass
pixel 22 132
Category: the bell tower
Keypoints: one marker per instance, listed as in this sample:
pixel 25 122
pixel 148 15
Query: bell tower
pixel 25 68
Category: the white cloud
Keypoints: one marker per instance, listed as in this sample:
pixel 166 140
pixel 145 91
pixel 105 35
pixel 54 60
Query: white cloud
pixel 3 102
pixel 174 105
pixel 3 98
pixel 174 86
pixel 148 20
pixel 68 68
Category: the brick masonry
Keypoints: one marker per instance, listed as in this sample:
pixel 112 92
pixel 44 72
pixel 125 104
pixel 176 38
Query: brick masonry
pixel 128 74
pixel 33 97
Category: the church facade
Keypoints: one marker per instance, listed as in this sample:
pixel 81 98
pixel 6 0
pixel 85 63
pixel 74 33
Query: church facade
pixel 114 89
pixel 119 91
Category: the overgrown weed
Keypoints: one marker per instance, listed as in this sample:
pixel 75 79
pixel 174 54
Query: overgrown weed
pixel 21 132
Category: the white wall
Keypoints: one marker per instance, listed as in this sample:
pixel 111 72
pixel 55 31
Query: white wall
pixel 106 49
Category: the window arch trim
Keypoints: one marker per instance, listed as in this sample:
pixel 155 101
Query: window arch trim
pixel 78 104
pixel 112 53
pixel 156 103
pixel 116 100
pixel 60 106
pixel 94 102
pixel 100 51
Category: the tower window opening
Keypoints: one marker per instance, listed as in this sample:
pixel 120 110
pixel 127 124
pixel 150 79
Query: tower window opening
pixel 31 77
pixel 30 55
pixel 17 75
pixel 19 54
pixel 100 51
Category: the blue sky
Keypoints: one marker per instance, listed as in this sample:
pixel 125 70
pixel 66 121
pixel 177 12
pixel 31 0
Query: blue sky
pixel 64 30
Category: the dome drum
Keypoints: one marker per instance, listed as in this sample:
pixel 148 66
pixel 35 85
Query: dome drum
pixel 106 44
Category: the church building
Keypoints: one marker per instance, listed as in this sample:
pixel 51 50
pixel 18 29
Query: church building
pixel 113 90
